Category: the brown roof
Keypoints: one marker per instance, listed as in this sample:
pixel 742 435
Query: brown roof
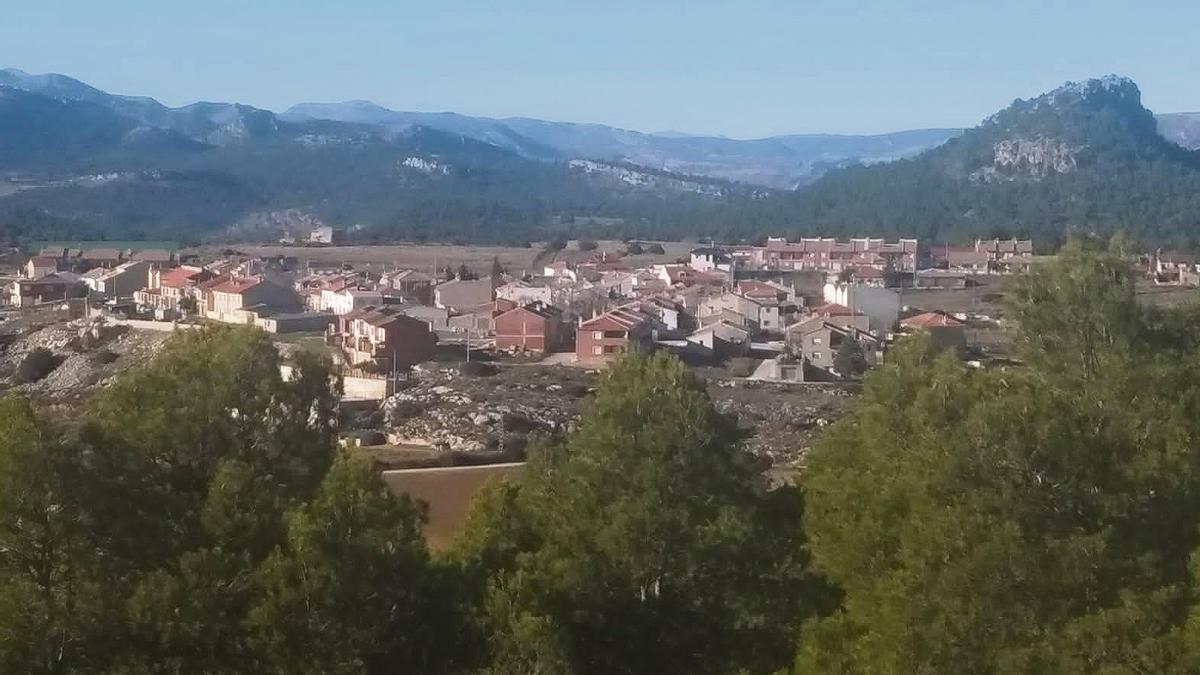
pixel 930 320
pixel 235 286
pixel 625 317
pixel 541 309
pixel 381 317
pixel 833 309
pixel 181 277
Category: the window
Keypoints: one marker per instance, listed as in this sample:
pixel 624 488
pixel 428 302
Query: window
pixel 816 341
pixel 614 334
pixel 597 350
pixel 816 356
pixel 598 335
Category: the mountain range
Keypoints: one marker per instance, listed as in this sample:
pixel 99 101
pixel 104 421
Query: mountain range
pixel 77 159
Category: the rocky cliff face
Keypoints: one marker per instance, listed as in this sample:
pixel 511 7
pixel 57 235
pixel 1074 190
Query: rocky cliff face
pixel 1034 158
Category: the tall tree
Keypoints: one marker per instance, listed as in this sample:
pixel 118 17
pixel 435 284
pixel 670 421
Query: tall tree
pixel 649 542
pixel 196 507
pixel 1037 519
pixel 850 361
pixel 352 590
pixel 53 604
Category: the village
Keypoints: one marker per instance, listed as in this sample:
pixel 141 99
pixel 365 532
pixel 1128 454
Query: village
pixel 464 363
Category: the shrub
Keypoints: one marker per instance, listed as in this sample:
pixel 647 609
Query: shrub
pixel 36 365
pixel 478 369
pixel 741 367
pixel 634 248
pixel 104 357
pixel 586 245
pixel 656 249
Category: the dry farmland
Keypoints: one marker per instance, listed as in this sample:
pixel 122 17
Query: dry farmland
pixel 430 256
pixel 448 492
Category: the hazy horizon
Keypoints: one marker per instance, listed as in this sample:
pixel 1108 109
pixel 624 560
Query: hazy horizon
pixel 752 70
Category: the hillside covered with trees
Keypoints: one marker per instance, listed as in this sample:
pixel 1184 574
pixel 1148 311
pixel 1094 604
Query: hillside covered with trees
pixel 78 163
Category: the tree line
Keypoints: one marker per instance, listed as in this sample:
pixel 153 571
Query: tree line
pixel 1032 518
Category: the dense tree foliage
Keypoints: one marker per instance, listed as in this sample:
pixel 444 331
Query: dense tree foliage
pixel 1036 519
pixel 648 543
pixel 1042 517
pixel 199 519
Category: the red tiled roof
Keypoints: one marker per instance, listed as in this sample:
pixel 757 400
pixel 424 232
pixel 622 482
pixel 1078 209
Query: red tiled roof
pixel 833 309
pixel 538 308
pixel 181 277
pixel 622 316
pixel 930 320
pixel 236 286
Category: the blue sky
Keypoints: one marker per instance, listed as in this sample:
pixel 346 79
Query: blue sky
pixel 743 69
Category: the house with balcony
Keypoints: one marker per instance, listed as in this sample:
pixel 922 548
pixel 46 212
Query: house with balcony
pixel 614 333
pixel 413 285
pixel 533 327
pixel 118 282
pixel 233 300
pixel 50 288
pixel 168 289
pixel 383 336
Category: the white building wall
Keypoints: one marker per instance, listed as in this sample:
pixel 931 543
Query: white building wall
pixel 881 305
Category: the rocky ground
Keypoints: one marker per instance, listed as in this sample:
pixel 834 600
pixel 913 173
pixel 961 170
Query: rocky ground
pixel 89 354
pixel 446 410
pixel 443 412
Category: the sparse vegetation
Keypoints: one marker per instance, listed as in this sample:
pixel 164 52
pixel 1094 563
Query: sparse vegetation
pixel 36 365
pixel 479 369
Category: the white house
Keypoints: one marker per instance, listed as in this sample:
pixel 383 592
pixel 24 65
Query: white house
pixel 524 293
pixel 881 305
pixel 119 281
pixel 711 259
pixel 349 299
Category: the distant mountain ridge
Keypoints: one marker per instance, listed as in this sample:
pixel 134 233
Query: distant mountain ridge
pixel 778 161
pixel 1087 156
pixel 76 161
pixel 785 161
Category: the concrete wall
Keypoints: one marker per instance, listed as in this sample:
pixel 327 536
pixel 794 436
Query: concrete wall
pixel 353 388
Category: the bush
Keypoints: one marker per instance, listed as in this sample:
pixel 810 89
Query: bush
pixel 36 365
pixel 634 248
pixel 479 369
pixel 104 357
pixel 742 366
pixel 586 245
pixel 656 249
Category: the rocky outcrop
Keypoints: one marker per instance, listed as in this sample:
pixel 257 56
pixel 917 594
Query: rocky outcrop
pixel 1034 158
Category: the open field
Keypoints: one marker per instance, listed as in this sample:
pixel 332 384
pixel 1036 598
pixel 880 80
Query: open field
pixel 427 257
pixel 447 492
pixel 1167 295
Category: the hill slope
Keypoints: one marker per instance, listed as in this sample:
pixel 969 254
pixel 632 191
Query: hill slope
pixel 1085 156
pixel 778 162
pixel 77 162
